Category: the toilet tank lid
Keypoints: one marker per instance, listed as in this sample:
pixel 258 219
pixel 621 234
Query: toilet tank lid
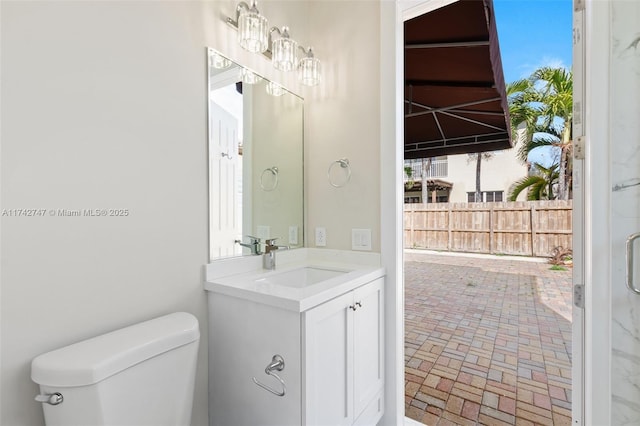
pixel 90 361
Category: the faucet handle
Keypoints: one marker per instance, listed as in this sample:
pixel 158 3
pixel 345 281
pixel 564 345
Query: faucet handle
pixel 270 245
pixel 253 239
pixel 271 241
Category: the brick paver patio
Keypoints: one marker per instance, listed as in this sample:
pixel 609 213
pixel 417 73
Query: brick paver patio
pixel 487 341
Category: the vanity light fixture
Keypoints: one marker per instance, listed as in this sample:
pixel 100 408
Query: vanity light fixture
pixel 254 36
pixel 309 68
pixel 274 89
pixel 218 61
pixel 253 29
pixel 249 77
pixel 283 50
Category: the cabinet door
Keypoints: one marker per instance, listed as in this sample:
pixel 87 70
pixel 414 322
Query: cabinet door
pixel 368 344
pixel 329 363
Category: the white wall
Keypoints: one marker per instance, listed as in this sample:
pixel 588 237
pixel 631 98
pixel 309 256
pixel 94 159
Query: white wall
pixel 103 106
pixel 342 116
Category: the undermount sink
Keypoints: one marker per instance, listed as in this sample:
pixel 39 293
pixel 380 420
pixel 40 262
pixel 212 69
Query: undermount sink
pixel 301 277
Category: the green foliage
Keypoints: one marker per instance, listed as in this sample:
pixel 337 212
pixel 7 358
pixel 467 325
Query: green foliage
pixel 408 171
pixel 539 185
pixel 558 268
pixel 541 111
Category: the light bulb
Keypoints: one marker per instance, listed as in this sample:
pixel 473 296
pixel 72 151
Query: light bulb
pixel 274 89
pixel 218 61
pixel 283 51
pixel 253 30
pixel 249 77
pixel 309 69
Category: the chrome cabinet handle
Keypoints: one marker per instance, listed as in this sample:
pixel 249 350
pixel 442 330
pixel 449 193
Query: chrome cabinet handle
pixel 355 306
pixel 629 256
pixel 277 363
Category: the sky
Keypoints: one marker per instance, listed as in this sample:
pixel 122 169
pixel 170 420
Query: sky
pixel 532 34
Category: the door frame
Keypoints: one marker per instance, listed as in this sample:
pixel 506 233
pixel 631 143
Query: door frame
pixel 591 352
pixel 596 371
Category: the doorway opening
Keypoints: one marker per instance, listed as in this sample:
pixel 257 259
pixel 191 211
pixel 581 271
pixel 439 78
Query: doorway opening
pixel 488 337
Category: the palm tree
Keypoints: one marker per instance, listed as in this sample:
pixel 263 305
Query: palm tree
pixel 478 157
pixel 539 184
pixel 426 173
pixel 543 104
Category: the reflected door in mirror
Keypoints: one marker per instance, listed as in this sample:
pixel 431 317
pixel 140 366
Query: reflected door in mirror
pixel 225 183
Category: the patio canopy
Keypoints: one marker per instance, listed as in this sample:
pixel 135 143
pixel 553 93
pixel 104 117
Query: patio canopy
pixel 455 97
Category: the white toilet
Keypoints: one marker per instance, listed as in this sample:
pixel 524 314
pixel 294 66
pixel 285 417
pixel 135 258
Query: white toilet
pixel 142 375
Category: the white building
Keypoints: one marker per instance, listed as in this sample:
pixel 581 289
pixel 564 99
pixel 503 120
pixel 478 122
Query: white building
pixel 453 178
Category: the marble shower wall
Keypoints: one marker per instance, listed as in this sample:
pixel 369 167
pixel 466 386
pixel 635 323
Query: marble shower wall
pixel 625 208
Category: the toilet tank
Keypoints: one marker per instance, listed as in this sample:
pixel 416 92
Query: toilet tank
pixel 141 375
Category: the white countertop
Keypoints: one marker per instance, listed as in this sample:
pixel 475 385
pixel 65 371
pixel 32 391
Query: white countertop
pixel 244 277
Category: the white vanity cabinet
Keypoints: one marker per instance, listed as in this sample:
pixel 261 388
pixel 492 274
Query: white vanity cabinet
pixel 332 349
pixel 343 365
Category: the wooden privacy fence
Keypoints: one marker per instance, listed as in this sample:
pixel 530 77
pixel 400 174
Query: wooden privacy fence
pixel 529 228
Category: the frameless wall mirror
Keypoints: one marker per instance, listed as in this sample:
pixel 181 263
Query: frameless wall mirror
pixel 255 161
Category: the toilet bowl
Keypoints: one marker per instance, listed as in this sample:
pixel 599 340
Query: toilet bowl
pixel 142 375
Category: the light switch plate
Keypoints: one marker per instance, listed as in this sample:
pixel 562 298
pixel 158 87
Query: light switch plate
pixel 361 239
pixel 321 236
pixel 293 235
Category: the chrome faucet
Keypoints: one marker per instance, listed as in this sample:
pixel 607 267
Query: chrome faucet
pixel 269 257
pixel 254 245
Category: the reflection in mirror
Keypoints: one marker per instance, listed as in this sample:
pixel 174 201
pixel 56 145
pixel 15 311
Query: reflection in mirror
pixel 255 161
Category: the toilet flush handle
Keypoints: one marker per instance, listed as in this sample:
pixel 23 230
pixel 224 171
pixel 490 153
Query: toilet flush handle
pixel 50 398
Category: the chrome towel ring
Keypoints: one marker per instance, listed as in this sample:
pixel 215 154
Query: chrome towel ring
pixel 271 172
pixel 345 167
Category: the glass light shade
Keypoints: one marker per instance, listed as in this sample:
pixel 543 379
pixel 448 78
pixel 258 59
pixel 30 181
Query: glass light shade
pixel 249 77
pixel 218 61
pixel 274 89
pixel 283 51
pixel 309 70
pixel 253 30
